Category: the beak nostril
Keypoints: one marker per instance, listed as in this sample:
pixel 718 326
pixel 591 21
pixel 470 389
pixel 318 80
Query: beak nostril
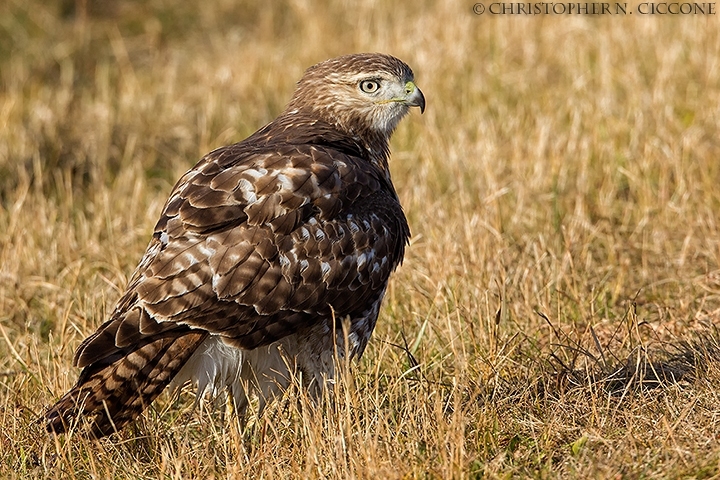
pixel 409 88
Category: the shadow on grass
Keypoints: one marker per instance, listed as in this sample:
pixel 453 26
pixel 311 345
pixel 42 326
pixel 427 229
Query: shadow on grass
pixel 630 366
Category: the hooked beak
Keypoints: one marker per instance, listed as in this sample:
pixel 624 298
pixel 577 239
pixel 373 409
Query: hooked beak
pixel 414 97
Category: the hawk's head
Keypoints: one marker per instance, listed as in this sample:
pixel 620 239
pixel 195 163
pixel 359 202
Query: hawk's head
pixel 364 95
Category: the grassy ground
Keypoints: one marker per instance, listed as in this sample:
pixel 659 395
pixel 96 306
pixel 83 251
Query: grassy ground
pixel 556 313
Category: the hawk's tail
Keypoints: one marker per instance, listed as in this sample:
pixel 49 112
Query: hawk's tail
pixel 114 390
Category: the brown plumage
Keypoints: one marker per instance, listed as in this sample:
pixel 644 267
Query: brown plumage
pixel 258 247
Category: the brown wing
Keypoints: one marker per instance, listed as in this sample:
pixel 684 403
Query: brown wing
pixel 253 245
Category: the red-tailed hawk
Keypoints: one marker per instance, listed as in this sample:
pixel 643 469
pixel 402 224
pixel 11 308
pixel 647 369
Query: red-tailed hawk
pixel 262 249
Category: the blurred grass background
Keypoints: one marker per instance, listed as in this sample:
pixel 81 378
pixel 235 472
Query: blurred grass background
pixel 556 313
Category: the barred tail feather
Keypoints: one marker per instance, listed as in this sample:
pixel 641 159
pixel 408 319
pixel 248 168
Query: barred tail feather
pixel 115 390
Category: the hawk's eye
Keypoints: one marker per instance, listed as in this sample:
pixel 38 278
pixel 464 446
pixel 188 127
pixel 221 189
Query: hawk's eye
pixel 369 86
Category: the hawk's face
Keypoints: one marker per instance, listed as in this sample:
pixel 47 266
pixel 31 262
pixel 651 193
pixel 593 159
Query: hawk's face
pixel 361 94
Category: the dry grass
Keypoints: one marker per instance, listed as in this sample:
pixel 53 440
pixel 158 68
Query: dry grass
pixel 555 315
